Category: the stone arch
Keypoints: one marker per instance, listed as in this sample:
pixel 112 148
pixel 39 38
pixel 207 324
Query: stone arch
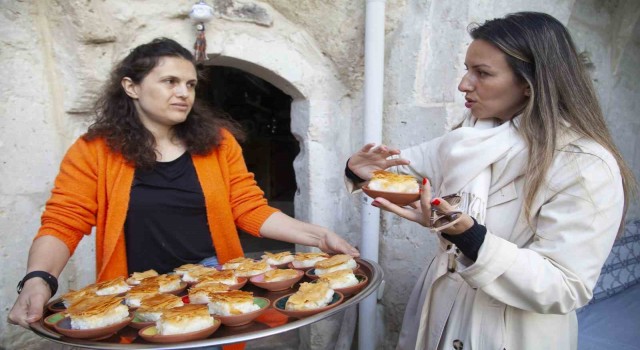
pixel 319 110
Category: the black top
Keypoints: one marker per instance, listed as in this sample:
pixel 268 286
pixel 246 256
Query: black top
pixel 166 223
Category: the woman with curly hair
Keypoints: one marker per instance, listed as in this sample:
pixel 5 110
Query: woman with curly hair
pixel 162 180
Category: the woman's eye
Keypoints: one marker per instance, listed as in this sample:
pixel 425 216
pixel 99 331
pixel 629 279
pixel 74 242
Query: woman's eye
pixel 482 73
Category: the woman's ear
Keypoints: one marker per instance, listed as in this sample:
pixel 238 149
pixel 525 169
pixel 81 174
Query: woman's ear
pixel 527 91
pixel 129 87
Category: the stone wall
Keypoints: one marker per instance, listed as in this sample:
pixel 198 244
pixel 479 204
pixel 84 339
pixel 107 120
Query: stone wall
pixel 55 55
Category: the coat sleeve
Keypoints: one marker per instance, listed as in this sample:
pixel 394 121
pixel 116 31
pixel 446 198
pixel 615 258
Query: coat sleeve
pixel 574 231
pixel 70 212
pixel 424 162
pixel 248 205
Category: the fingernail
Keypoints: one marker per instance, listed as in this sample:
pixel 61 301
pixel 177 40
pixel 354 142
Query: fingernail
pixel 424 181
pixel 375 203
pixel 435 202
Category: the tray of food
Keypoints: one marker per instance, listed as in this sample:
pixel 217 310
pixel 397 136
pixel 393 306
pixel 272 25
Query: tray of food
pixel 195 305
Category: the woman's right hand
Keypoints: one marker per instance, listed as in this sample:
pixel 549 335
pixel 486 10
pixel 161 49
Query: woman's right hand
pixel 369 159
pixel 30 303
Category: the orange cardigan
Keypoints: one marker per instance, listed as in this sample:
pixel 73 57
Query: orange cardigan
pixel 93 187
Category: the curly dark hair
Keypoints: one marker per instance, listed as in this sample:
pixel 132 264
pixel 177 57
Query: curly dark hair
pixel 118 122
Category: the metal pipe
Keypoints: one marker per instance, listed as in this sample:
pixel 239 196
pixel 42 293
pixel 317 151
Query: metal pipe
pixel 373 105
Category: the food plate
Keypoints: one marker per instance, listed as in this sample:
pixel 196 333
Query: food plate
pixel 277 285
pixel 396 198
pixel 242 319
pixel 311 273
pixel 290 265
pixel 63 327
pixel 240 284
pixel 56 306
pixel 52 319
pixel 281 302
pixel 137 323
pixel 179 290
pixel 349 291
pixel 150 334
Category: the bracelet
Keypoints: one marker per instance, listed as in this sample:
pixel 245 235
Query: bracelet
pixel 51 280
pixel 351 175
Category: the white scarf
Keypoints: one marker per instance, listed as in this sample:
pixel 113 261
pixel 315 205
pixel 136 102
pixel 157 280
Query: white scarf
pixel 478 159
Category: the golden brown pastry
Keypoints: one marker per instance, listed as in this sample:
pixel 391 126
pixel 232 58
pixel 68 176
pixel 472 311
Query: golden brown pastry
pixel 233 302
pixel 184 319
pixel 310 296
pixel 303 260
pixel 335 263
pixel 97 311
pixel 391 182
pixel 114 286
pixel 136 277
pixel 151 308
pixel 202 294
pixel 280 275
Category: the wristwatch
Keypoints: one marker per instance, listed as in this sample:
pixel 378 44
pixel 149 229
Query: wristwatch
pixel 47 277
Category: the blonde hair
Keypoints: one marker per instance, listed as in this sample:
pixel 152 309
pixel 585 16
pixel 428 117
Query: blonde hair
pixel 541 52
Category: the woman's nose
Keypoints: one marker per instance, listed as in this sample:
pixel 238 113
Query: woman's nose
pixel 465 84
pixel 181 91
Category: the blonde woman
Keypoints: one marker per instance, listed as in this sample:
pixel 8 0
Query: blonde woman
pixel 542 194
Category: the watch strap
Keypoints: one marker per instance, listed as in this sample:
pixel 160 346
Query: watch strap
pixel 51 280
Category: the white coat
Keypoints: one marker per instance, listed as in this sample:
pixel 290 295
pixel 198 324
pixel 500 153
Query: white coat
pixel 527 281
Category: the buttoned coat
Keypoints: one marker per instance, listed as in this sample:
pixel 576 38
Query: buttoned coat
pixel 530 275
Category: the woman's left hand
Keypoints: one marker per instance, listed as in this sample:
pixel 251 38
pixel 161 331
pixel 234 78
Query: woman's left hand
pixel 333 244
pixel 420 211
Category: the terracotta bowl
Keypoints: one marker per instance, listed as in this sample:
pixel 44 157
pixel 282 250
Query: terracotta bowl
pixel 290 265
pixel 278 285
pixel 242 319
pixel 281 266
pixel 137 323
pixel 63 327
pixel 52 319
pixel 150 334
pixel 311 273
pixel 56 305
pixel 281 302
pixel 183 286
pixel 241 282
pixel 396 198
pixel 349 291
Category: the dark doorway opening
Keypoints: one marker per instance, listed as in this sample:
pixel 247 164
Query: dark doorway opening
pixel 264 112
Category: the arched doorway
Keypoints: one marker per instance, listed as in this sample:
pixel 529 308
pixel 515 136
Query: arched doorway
pixel 264 112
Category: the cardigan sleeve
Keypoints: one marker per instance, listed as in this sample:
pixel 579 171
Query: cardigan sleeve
pixel 248 205
pixel 574 231
pixel 70 212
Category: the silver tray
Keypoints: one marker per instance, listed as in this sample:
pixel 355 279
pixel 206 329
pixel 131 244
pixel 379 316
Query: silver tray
pixel 128 338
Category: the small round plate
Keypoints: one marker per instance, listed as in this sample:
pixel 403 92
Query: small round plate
pixel 290 265
pixel 349 291
pixel 241 282
pixel 150 334
pixel 56 305
pixel 179 290
pixel 396 198
pixel 277 285
pixel 137 323
pixel 52 319
pixel 63 326
pixel 281 302
pixel 311 273
pixel 242 319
